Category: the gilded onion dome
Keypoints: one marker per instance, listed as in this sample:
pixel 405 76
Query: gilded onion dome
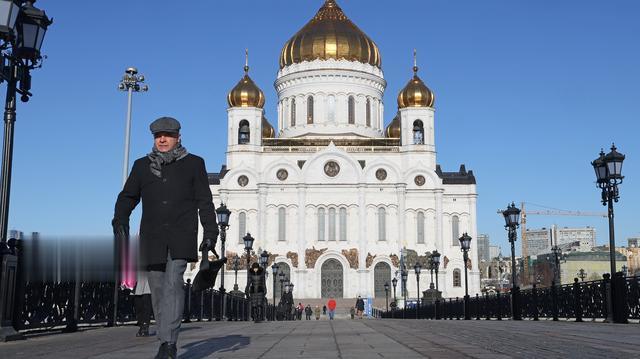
pixel 393 129
pixel 416 93
pixel 246 93
pixel 267 130
pixel 330 35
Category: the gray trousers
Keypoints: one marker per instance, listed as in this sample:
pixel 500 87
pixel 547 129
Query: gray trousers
pixel 167 296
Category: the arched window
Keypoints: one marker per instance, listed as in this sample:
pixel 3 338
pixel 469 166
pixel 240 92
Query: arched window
pixel 242 226
pixel 332 224
pixel 343 224
pixel 420 227
pixel 293 112
pixel 418 132
pixel 456 278
pixel 368 112
pixel 310 109
pixel 382 225
pixel 352 110
pixel 455 230
pixel 243 132
pixel 321 224
pixel 282 224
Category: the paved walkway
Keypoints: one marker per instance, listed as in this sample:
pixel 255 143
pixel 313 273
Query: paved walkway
pixel 403 339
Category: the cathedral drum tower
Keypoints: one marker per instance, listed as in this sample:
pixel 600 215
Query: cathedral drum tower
pixel 338 200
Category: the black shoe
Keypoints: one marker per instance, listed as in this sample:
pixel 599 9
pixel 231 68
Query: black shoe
pixel 143 331
pixel 172 351
pixel 162 351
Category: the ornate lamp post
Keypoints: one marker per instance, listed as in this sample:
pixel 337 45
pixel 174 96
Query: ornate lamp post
pixel 582 274
pixel 274 271
pixel 394 282
pixel 386 294
pixel 264 259
pixel 417 268
pixel 22 30
pixel 281 276
pixel 512 221
pixel 236 266
pixel 248 246
pixel 404 274
pixel 608 170
pixel 430 268
pixel 436 264
pixel 131 82
pixel 465 244
pixel 223 215
pixel 557 253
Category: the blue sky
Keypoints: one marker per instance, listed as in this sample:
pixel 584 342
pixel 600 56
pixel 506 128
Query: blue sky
pixel 527 92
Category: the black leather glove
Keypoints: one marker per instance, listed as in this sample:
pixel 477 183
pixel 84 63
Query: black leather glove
pixel 209 244
pixel 120 228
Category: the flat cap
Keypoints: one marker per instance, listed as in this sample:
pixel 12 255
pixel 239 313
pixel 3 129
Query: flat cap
pixel 165 124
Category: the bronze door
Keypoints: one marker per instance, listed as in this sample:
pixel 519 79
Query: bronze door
pixel 331 281
pixel 381 275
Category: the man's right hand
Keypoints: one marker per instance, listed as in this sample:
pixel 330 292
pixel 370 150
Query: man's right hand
pixel 120 228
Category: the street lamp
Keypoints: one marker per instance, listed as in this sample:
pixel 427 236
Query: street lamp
pixel 557 253
pixel 512 219
pixel 131 83
pixel 582 274
pixel 22 30
pixel 386 294
pixel 223 215
pixel 404 274
pixel 236 266
pixel 465 244
pixel 417 268
pixel 264 259
pixel 436 264
pixel 608 170
pixel 281 276
pixel 248 246
pixel 394 282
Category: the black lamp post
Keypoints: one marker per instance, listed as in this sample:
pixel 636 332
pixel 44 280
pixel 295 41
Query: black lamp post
pixel 236 266
pixel 512 221
pixel 417 268
pixel 274 271
pixel 394 282
pixel 281 276
pixel 22 30
pixel 264 259
pixel 223 215
pixel 436 264
pixel 248 246
pixel 582 274
pixel 404 274
pixel 386 294
pixel 430 268
pixel 465 244
pixel 608 170
pixel 557 253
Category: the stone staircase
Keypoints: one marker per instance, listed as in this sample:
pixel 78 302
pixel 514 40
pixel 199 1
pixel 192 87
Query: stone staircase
pixel 343 305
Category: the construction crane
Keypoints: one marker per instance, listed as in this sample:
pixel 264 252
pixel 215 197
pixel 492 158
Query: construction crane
pixel 548 212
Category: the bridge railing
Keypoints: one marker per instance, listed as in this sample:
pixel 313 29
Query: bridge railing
pixel 576 301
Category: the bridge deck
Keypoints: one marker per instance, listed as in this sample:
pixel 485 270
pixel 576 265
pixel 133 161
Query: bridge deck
pixel 405 339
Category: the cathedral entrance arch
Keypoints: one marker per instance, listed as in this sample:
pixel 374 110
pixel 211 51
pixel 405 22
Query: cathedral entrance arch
pixel 331 281
pixel 381 275
pixel 282 268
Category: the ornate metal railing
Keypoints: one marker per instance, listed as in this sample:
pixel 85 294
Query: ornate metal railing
pixel 577 301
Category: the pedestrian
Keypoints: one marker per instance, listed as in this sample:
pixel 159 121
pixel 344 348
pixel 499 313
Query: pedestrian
pixel 331 305
pixel 317 310
pixel 174 189
pixel 308 312
pixel 299 310
pixel 324 310
pixel 352 312
pixel 360 307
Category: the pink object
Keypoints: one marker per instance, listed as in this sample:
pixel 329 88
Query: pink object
pixel 128 256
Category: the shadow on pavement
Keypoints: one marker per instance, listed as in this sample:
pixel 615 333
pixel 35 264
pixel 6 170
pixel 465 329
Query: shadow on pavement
pixel 204 348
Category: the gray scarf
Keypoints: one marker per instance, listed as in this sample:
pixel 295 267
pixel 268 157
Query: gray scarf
pixel 159 159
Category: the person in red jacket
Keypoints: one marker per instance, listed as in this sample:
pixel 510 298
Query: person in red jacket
pixel 331 305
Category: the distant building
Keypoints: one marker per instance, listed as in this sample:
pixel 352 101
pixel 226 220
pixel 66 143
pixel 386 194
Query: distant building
pixel 484 253
pixel 578 239
pixel 538 241
pixel 632 242
pixel 494 251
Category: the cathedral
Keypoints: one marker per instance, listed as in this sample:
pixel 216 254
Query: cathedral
pixel 338 200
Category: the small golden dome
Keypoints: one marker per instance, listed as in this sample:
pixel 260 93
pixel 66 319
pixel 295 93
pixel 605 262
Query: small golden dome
pixel 416 93
pixel 393 129
pixel 330 35
pixel 267 130
pixel 246 93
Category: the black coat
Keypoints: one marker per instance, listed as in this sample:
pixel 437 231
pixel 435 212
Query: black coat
pixel 170 208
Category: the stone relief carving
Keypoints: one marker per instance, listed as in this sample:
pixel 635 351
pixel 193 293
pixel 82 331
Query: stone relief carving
pixel 445 262
pixel 352 257
pixel 412 257
pixel 419 180
pixel 469 266
pixel 381 174
pixel 282 174
pixel 395 260
pixel 312 255
pixel 331 168
pixel 243 260
pixel 243 180
pixel 293 256
pixel 370 259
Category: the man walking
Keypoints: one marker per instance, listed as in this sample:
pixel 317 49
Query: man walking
pixel 360 307
pixel 174 189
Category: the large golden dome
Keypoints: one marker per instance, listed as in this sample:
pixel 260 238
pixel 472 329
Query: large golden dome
pixel 246 93
pixel 393 129
pixel 330 35
pixel 416 93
